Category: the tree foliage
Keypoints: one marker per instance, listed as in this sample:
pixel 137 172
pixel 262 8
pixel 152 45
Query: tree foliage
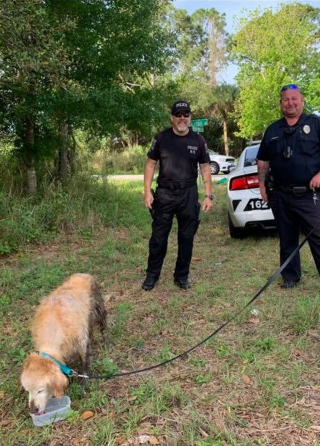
pixel 67 65
pixel 113 67
pixel 200 44
pixel 273 49
pixel 199 57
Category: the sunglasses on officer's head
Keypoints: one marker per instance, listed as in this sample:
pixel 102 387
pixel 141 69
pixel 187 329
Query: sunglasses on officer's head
pixel 182 114
pixel 289 87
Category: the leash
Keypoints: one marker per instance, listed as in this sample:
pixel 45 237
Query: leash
pixel 255 297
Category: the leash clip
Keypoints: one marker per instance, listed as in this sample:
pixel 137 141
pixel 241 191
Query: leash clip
pixel 78 375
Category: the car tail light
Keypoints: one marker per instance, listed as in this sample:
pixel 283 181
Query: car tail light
pixel 245 182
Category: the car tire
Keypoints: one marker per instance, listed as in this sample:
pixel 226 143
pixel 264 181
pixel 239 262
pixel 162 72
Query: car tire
pixel 235 232
pixel 214 167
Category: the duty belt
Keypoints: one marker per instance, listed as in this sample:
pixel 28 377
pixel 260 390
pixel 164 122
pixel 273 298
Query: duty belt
pixel 295 190
pixel 174 185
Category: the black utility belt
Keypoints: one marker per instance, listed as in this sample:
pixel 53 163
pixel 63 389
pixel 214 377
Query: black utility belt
pixel 175 185
pixel 295 190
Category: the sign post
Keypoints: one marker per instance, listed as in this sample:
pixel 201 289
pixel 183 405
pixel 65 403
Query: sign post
pixel 197 125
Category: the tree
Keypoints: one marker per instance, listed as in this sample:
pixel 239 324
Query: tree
pixel 223 102
pixel 32 61
pixel 271 50
pixel 200 44
pixel 117 45
pixel 199 57
pixel 198 53
pixel 74 64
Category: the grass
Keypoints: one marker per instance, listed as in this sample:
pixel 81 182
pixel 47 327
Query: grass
pixel 255 383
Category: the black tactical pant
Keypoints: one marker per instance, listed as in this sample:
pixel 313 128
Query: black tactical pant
pixel 184 204
pixel 294 214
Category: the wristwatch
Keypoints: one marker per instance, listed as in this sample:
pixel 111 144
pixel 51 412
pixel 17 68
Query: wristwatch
pixel 209 196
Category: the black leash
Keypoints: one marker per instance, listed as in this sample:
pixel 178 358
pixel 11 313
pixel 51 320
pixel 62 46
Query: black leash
pixel 255 297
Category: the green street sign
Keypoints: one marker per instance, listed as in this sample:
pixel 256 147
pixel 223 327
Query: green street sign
pixel 199 122
pixel 197 128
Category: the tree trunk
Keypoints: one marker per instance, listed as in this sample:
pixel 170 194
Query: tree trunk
pixel 225 136
pixel 63 161
pixel 30 161
pixel 32 181
pixel 72 152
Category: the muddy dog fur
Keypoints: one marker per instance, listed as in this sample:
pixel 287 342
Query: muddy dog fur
pixel 62 328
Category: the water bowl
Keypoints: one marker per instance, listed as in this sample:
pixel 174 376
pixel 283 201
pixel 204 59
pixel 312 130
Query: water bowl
pixel 57 409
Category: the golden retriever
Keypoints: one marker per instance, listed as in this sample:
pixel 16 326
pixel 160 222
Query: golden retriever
pixel 62 328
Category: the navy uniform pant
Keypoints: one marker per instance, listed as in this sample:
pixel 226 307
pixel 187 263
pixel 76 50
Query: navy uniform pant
pixel 292 215
pixel 184 204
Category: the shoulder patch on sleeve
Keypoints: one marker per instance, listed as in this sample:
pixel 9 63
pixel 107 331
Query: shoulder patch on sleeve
pixel 153 143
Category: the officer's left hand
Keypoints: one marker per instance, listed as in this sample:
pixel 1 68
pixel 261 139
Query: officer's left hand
pixel 207 205
pixel 315 181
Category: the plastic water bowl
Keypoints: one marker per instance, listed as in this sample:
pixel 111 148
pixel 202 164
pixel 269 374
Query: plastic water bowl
pixel 57 409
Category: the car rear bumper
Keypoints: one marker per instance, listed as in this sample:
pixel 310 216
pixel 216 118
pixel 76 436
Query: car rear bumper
pixel 263 224
pixel 262 218
pixel 242 218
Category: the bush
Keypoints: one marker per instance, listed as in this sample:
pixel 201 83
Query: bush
pixel 85 207
pixel 130 160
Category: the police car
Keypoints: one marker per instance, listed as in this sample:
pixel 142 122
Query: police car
pixel 220 163
pixel 245 206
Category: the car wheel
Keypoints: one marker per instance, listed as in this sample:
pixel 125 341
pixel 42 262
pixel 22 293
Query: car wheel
pixel 214 167
pixel 235 232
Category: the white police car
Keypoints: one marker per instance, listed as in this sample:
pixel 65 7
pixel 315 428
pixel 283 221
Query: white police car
pixel 245 206
pixel 220 163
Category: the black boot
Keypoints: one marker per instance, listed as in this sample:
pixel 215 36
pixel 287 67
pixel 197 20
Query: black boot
pixel 149 282
pixel 182 283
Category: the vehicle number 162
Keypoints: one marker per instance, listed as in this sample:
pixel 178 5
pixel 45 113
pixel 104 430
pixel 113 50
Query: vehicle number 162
pixel 256 204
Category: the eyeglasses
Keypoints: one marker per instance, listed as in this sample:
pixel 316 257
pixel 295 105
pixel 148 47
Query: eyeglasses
pixel 289 87
pixel 182 114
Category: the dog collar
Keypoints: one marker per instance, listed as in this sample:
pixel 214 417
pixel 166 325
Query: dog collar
pixel 64 369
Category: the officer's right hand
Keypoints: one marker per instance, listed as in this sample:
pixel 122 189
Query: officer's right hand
pixel 263 193
pixel 148 199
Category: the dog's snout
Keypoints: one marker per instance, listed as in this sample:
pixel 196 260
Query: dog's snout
pixel 33 408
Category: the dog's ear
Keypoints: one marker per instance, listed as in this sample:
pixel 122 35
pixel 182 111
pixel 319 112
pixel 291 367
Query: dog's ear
pixel 58 383
pixel 28 361
pixel 28 369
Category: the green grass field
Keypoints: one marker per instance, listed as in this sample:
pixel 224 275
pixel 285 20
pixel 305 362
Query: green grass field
pixel 255 383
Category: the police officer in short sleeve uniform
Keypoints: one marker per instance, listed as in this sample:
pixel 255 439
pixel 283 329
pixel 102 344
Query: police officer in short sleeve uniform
pixel 179 151
pixel 289 157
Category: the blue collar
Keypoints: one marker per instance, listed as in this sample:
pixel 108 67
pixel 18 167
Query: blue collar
pixel 64 369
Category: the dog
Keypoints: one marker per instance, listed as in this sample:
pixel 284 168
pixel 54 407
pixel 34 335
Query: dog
pixel 62 329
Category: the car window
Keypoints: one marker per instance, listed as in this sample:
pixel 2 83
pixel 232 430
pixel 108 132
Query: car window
pixel 251 156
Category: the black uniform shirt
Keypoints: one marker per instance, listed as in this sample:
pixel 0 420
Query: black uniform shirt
pixel 293 152
pixel 178 155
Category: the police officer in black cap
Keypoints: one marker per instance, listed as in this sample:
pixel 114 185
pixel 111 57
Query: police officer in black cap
pixel 289 157
pixel 179 150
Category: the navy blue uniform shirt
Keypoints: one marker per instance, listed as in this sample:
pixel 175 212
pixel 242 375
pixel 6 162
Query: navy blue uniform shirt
pixel 300 143
pixel 178 155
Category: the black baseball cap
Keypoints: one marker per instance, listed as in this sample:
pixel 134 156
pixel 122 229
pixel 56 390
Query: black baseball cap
pixel 179 106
